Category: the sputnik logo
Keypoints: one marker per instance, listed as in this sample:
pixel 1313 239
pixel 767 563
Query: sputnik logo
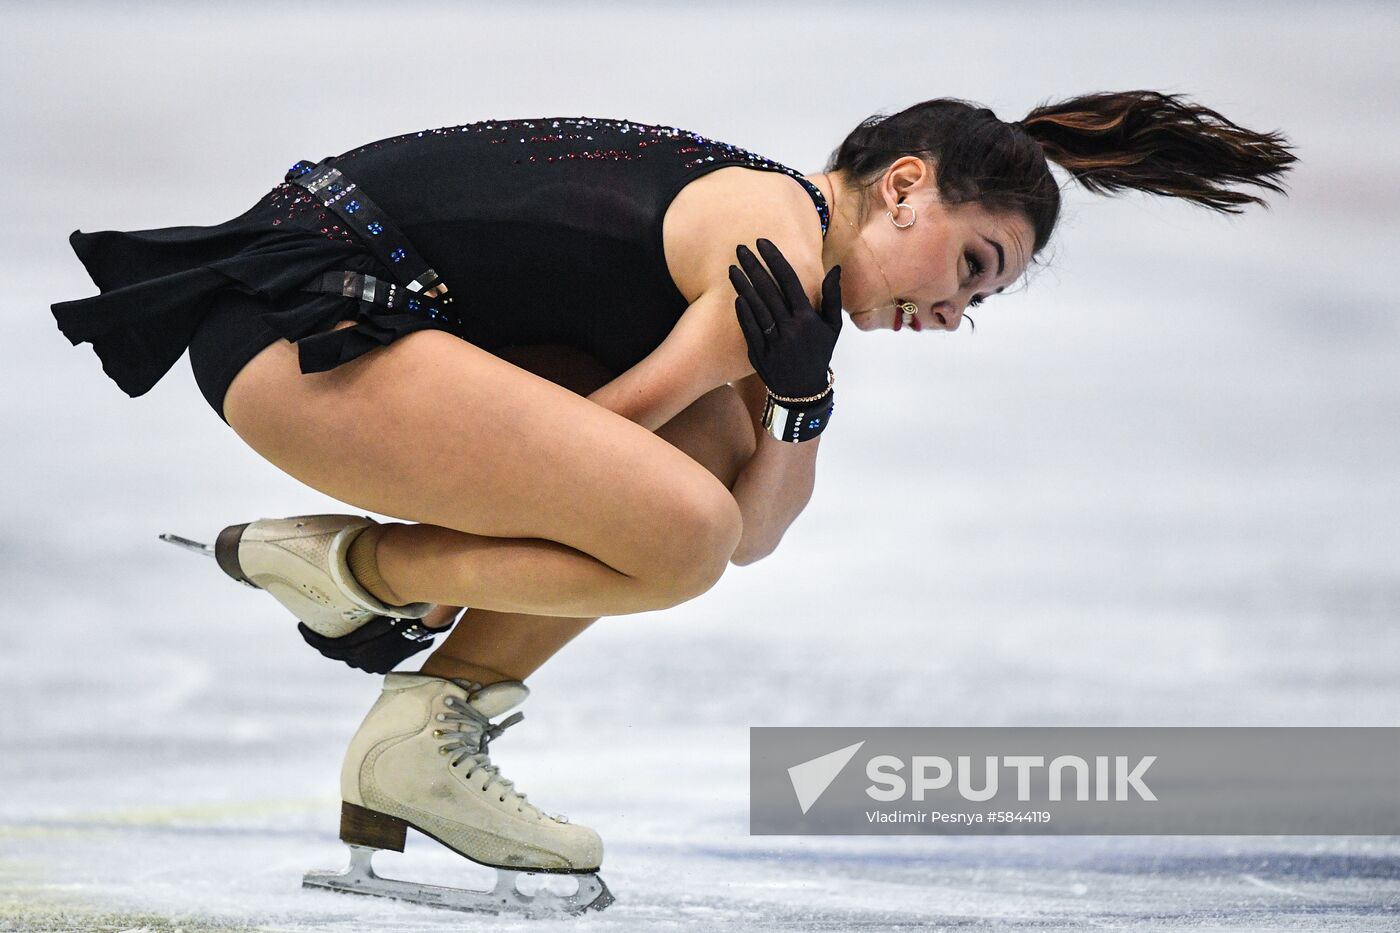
pixel 810 779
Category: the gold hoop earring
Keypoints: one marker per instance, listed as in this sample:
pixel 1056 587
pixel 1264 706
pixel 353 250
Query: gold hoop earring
pixel 914 216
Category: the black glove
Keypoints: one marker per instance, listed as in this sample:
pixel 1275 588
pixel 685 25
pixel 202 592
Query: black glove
pixel 790 344
pixel 378 646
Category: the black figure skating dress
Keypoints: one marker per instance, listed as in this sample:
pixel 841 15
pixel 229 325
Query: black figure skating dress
pixel 545 230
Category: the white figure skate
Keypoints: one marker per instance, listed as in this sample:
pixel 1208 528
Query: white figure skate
pixel 420 759
pixel 301 562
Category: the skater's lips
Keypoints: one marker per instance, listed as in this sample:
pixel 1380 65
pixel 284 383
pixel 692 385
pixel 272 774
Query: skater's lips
pixel 916 324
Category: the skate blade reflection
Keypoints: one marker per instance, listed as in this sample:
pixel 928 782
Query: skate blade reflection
pixel 505 897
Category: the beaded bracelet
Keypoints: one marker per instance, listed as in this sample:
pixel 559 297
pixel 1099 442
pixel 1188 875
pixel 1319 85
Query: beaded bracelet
pixel 830 381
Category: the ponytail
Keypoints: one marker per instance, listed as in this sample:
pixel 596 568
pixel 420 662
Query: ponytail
pixel 1161 144
pixel 1140 140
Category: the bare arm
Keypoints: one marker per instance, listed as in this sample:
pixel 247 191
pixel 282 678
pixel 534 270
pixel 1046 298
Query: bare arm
pixel 774 486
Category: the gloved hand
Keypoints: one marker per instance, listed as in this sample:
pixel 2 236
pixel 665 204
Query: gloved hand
pixel 790 344
pixel 378 646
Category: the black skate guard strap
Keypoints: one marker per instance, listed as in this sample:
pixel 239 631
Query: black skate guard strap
pixel 329 185
pixel 377 646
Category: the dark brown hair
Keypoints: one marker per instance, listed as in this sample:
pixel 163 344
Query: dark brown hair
pixel 1143 140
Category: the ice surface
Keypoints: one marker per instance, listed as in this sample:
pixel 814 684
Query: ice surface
pixel 1157 488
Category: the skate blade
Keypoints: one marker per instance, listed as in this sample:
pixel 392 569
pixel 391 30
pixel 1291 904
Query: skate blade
pixel 188 545
pixel 207 550
pixel 505 897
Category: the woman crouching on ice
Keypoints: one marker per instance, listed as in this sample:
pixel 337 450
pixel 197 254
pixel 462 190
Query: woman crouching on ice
pixel 608 407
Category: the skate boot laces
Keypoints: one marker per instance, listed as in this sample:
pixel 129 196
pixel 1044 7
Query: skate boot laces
pixel 470 741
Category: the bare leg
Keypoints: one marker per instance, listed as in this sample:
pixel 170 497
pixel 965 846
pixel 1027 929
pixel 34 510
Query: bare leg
pixel 490 646
pixel 529 498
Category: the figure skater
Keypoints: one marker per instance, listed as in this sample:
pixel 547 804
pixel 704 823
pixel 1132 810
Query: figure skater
pixel 535 343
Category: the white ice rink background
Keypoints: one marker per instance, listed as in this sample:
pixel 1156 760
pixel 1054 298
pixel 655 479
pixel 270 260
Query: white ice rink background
pixel 1157 487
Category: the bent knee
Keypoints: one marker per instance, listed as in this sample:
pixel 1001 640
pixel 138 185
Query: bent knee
pixel 700 538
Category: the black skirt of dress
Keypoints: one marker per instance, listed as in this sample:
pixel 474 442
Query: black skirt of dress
pixel 157 286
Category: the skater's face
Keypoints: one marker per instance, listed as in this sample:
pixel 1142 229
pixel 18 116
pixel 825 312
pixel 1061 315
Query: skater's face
pixel 952 257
